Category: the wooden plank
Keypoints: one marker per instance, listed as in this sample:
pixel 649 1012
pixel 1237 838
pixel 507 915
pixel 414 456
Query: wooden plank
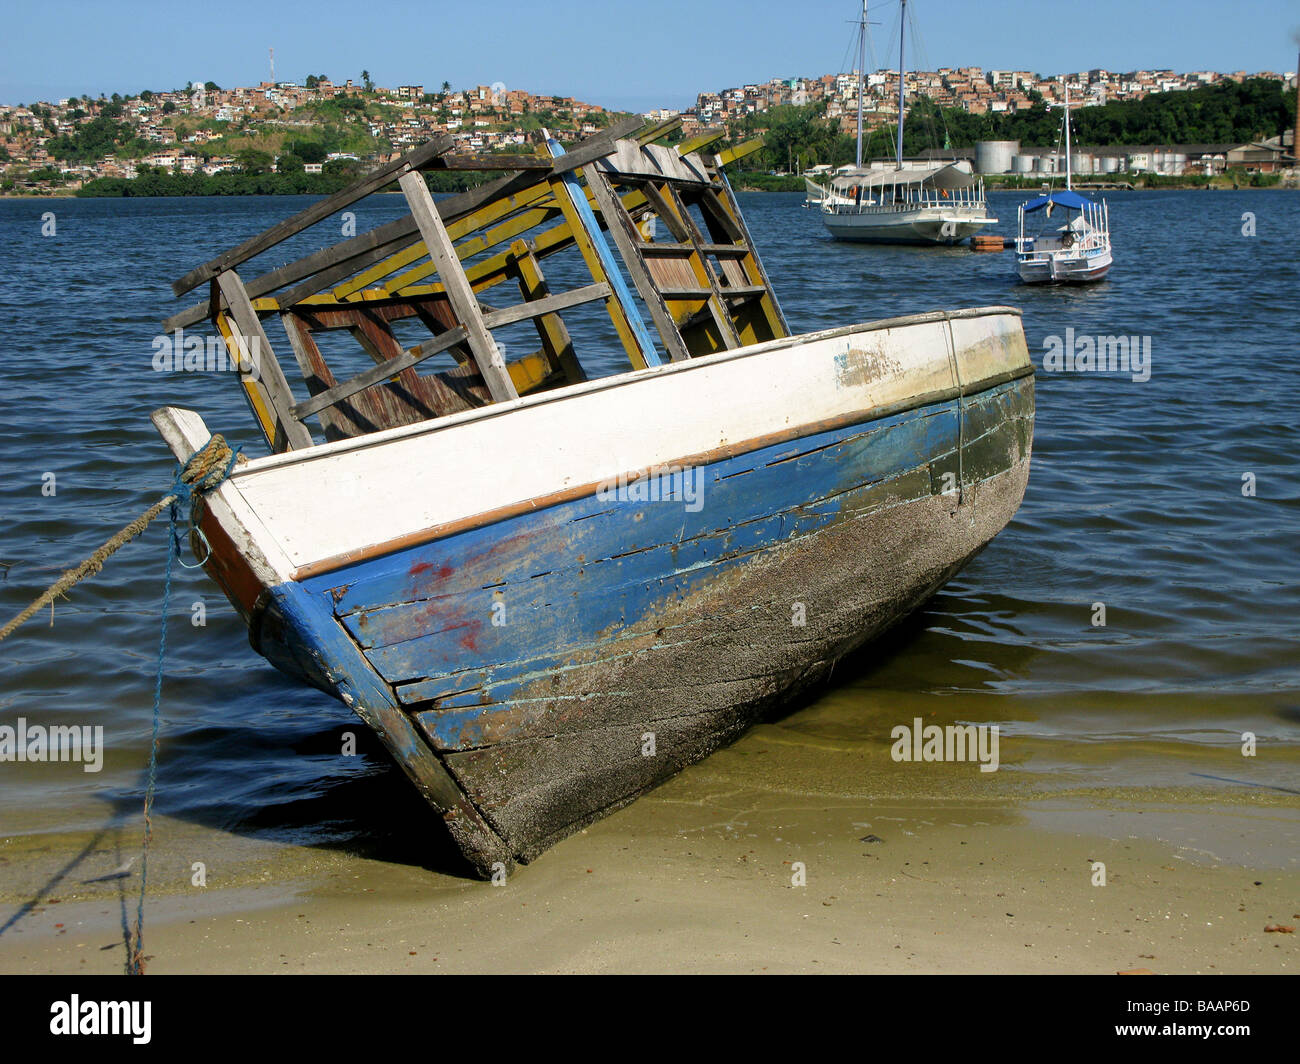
pixel 254 393
pixel 726 199
pixel 474 245
pixel 507 230
pixel 547 305
pixel 319 210
pixel 663 247
pixel 533 373
pixel 584 230
pixel 686 292
pixel 499 161
pixel 462 222
pixel 382 239
pixel 717 305
pixel 380 373
pixel 359 252
pixel 454 208
pixel 487 273
pixel 701 140
pixel 551 329
pixel 736 151
pixel 630 161
pixel 626 239
pixel 486 353
pixel 594 147
pixel 650 134
pixel 461 214
pixel 289 433
pixel 693 292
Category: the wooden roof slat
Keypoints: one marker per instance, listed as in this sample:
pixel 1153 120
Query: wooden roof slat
pixel 359 249
pixel 650 134
pixel 321 209
pixel 500 161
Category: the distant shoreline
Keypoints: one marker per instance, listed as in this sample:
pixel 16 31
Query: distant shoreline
pixel 742 183
pixel 750 182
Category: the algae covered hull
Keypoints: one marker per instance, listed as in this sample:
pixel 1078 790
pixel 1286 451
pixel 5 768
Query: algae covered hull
pixel 549 600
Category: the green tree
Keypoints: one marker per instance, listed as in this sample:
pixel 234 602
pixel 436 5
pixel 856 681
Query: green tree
pixel 252 161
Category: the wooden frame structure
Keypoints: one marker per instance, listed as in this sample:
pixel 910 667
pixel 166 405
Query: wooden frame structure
pixel 703 286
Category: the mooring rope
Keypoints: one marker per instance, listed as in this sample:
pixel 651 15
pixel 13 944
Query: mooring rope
pixel 204 471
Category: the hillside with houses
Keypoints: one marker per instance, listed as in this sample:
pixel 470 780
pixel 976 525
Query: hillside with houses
pixel 327 129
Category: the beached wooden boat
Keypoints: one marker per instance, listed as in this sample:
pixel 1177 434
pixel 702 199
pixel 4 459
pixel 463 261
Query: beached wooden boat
pixel 548 593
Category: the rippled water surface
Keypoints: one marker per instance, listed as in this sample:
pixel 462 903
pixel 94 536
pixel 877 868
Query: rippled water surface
pixel 1135 501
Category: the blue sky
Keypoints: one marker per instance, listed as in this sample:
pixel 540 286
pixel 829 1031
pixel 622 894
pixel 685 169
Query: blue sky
pixel 604 51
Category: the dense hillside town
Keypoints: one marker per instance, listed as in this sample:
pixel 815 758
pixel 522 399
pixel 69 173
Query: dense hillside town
pixel 327 127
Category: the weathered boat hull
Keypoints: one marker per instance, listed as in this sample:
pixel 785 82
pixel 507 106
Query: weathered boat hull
pixel 1083 269
pixel 538 663
pixel 921 226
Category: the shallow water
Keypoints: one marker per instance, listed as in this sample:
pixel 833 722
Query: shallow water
pixel 1135 501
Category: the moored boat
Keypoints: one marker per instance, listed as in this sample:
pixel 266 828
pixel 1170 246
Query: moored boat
pixel 547 593
pixel 1073 250
pixel 902 203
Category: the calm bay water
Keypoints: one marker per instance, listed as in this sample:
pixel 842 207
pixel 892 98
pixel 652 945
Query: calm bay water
pixel 1135 501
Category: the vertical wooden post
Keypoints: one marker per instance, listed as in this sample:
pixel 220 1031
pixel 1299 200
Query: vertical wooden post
pixel 285 432
pixel 668 203
pixel 459 293
pixel 550 327
pixel 631 330
pixel 721 207
pixel 626 239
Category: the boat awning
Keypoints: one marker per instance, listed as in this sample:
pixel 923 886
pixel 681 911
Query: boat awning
pixel 947 175
pixel 1065 198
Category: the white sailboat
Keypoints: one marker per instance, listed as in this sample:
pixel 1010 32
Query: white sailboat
pixel 1075 252
pixel 902 203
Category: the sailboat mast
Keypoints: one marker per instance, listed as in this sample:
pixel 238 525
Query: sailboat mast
pixel 902 36
pixel 862 66
pixel 1067 135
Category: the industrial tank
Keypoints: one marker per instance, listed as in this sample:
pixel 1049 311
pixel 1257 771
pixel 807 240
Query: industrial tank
pixel 995 156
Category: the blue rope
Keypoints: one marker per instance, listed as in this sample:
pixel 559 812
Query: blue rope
pixel 181 490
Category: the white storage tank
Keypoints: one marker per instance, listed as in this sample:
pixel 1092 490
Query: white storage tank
pixel 1022 164
pixel 1081 163
pixel 995 156
pixel 1111 164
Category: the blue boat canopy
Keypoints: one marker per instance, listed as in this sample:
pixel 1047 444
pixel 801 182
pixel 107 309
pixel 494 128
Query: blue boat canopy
pixel 1064 198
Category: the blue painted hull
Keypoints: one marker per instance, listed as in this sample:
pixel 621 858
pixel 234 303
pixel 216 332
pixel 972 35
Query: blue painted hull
pixel 535 673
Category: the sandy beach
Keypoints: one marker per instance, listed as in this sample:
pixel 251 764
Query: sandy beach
pixel 959 872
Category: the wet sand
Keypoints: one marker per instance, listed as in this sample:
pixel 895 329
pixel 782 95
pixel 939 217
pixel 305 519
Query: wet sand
pixel 964 872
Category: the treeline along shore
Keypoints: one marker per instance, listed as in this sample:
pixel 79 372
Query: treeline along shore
pixel 161 183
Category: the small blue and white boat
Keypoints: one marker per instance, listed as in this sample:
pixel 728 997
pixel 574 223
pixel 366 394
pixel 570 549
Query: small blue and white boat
pixel 548 593
pixel 1073 248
